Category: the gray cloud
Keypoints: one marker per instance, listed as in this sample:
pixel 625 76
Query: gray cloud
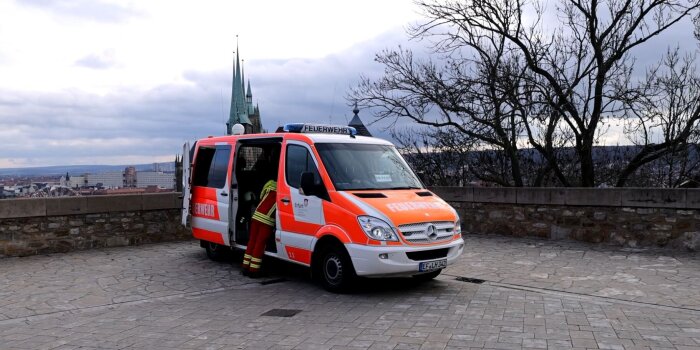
pixel 103 60
pixel 67 128
pixel 73 127
pixel 302 90
pixel 93 10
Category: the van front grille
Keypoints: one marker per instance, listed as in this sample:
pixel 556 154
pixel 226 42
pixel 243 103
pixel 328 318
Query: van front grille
pixel 423 233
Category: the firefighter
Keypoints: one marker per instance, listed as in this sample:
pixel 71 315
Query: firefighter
pixel 261 227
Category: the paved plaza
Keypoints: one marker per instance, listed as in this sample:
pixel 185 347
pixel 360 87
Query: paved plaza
pixel 535 294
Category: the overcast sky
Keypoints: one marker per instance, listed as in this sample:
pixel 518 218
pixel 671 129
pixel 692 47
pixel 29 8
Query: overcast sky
pixel 126 82
pixel 120 82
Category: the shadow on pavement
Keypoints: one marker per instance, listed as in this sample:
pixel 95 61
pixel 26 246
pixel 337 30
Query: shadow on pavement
pixel 278 271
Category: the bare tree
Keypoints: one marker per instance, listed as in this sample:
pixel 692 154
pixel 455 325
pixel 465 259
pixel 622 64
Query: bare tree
pixel 509 81
pixel 665 120
pixel 440 157
pixel 479 97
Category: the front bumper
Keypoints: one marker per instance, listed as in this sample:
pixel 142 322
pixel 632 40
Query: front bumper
pixel 367 263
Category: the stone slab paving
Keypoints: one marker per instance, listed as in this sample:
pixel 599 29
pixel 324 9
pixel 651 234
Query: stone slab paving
pixel 655 276
pixel 45 284
pixel 168 296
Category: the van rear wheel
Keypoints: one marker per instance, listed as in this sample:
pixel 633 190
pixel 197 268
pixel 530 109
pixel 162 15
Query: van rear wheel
pixel 336 271
pixel 216 252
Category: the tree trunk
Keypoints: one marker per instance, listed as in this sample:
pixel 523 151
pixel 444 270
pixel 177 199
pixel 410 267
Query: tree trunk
pixel 587 164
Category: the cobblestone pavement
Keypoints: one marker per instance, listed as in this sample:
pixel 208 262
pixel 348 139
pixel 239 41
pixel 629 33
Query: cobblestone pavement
pixel 169 296
pixel 655 276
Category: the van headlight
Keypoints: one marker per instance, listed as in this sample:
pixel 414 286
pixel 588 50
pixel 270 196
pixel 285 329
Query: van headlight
pixel 458 226
pixel 377 228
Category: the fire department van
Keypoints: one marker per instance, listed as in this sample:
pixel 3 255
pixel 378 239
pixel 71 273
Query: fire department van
pixel 347 205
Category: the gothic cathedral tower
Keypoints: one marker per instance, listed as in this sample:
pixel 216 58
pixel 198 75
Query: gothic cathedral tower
pixel 242 109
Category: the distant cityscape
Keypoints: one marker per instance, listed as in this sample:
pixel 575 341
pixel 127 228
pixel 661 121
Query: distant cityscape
pixel 96 180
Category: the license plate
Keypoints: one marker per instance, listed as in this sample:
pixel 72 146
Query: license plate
pixel 432 265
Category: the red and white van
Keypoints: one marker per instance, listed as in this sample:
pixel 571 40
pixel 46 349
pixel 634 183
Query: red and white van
pixel 347 205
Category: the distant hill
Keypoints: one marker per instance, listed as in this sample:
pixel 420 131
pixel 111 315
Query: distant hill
pixel 80 169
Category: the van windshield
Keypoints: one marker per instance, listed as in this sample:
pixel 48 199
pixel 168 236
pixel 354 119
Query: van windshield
pixel 366 167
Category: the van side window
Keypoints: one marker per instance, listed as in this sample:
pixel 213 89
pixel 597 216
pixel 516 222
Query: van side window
pixel 299 160
pixel 219 168
pixel 205 155
pixel 211 166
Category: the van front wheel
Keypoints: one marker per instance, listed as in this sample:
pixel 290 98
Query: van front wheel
pixel 216 252
pixel 336 271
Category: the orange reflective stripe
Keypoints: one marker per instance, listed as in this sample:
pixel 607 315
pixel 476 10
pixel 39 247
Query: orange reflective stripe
pixel 299 254
pixel 206 235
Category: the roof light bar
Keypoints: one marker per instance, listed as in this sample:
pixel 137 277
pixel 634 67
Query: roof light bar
pixel 320 129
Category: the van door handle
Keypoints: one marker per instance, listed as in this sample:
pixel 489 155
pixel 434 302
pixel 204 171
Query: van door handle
pixel 285 200
pixel 224 194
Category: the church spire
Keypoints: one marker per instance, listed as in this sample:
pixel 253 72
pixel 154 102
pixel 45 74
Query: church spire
pixel 237 84
pixel 357 123
pixel 239 111
pixel 243 76
pixel 232 112
pixel 242 109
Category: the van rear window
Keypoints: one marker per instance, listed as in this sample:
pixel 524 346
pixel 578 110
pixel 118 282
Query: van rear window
pixel 211 166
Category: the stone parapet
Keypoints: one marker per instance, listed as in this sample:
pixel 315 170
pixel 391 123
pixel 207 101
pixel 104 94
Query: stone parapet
pixel 605 197
pixel 626 217
pixel 53 225
pixel 33 207
pixel 633 217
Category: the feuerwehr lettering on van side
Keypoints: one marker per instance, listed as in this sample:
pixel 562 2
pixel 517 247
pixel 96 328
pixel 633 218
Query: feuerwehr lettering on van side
pixel 204 209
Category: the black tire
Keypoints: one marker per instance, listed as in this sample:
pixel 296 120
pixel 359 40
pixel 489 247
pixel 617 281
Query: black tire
pixel 216 252
pixel 424 277
pixel 335 270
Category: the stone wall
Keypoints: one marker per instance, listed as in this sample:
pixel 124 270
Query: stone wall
pixel 53 225
pixel 625 217
pixel 631 217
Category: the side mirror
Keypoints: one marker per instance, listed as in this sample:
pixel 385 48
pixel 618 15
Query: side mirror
pixel 308 186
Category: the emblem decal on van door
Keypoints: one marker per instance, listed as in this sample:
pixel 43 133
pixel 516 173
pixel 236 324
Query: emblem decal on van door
pixel 201 209
pixel 307 208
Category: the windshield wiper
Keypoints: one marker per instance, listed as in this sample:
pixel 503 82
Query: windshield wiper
pixel 403 188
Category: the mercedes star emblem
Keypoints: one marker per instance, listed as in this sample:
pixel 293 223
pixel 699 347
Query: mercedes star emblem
pixel 431 232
